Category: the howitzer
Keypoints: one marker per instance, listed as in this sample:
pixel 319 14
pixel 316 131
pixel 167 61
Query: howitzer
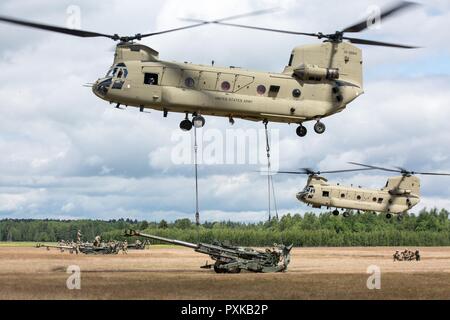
pixel 70 248
pixel 85 248
pixel 231 259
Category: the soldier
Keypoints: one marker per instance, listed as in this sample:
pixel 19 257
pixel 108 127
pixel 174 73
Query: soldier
pixel 79 236
pixel 417 254
pixel 97 241
pixel 125 247
pixel 138 244
pixel 396 256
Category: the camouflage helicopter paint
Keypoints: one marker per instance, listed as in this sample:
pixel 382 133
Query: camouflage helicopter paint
pixel 319 81
pixel 400 194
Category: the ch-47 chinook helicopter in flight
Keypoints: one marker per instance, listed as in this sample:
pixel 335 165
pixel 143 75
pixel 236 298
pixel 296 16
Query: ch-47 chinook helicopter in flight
pixel 319 81
pixel 399 195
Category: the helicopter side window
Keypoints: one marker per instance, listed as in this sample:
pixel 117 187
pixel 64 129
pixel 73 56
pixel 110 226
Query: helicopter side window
pixel 273 91
pixel 326 194
pixel 151 79
pixel 380 200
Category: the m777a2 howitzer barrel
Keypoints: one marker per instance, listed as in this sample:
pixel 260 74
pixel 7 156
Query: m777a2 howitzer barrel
pixel 231 259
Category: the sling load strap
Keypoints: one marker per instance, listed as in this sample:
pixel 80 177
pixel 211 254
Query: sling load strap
pixel 270 184
pixel 197 214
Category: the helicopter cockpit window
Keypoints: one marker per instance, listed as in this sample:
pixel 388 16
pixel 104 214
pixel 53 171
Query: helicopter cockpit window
pixel 111 73
pixel 118 71
pixel 151 79
pixel 310 189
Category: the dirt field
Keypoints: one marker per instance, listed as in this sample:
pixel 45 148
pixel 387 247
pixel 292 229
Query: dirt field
pixel 174 273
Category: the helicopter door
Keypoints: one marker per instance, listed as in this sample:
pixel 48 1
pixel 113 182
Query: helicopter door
pixel 151 82
pixel 171 77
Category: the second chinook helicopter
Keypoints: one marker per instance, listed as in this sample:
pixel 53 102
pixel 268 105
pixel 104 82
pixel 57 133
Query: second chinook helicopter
pixel 320 80
pixel 400 194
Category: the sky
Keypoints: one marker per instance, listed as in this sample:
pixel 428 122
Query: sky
pixel 66 154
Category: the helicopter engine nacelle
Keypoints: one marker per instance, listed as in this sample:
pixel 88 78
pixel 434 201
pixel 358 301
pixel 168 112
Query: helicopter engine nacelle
pixel 315 73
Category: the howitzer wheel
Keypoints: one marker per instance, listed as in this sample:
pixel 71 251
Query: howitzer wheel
pixel 217 269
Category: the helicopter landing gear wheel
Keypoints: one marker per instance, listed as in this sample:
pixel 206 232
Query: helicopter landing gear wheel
pixel 301 131
pixel 186 125
pixel 319 127
pixel 400 217
pixel 388 216
pixel 335 212
pixel 346 214
pixel 198 122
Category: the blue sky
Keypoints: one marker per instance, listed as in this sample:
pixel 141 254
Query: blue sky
pixel 67 154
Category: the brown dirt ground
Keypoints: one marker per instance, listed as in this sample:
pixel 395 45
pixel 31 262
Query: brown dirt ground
pixel 174 273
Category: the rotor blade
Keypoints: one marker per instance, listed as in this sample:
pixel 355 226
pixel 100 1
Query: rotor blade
pixel 243 15
pixel 264 29
pixel 249 14
pixel 292 172
pixel 311 172
pixel 379 43
pixel 72 32
pixel 432 173
pixel 358 27
pixel 172 30
pixel 199 23
pixel 347 170
pixel 374 167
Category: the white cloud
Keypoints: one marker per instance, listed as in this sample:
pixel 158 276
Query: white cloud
pixel 64 153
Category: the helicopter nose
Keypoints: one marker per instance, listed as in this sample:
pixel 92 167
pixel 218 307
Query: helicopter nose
pixel 101 87
pixel 301 196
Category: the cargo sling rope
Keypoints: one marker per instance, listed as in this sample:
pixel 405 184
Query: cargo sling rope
pixel 270 184
pixel 197 213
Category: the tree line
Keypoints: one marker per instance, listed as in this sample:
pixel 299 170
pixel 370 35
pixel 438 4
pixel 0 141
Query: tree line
pixel 427 228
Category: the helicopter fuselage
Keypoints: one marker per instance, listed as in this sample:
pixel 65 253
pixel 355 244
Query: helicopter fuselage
pixel 294 96
pixel 398 196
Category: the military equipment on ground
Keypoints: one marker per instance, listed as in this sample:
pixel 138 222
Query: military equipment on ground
pixel 320 80
pixel 85 248
pixel 399 195
pixel 407 255
pixel 137 245
pixel 231 259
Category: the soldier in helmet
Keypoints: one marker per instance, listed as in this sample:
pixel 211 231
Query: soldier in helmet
pixel 125 247
pixel 397 256
pixel 97 241
pixel 417 254
pixel 79 236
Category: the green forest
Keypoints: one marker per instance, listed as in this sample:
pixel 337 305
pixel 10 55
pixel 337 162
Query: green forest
pixel 427 228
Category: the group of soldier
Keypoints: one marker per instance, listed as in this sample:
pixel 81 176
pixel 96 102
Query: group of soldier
pixel 407 255
pixel 108 247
